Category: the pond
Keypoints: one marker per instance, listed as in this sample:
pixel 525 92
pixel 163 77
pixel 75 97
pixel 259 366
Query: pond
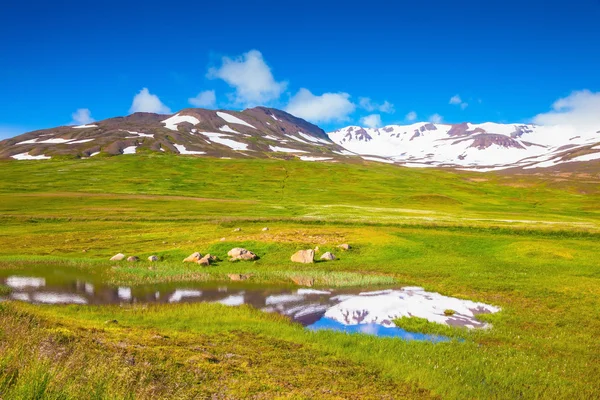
pixel 362 310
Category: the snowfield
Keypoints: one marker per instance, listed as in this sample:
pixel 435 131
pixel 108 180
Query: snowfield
pixel 129 150
pixel 308 158
pixel 171 123
pixel 232 119
pixel 182 150
pixel 26 156
pixel 482 147
pixel 85 126
pixel 222 139
pixel 285 149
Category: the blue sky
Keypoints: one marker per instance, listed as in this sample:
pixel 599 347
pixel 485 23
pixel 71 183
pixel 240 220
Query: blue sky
pixel 335 63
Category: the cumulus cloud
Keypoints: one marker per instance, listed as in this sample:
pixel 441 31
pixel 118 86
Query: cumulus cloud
pixel 208 98
pixel 367 104
pixel 457 101
pixel 82 116
pixel 371 121
pixel 145 101
pixel 327 107
pixel 411 116
pixel 581 110
pixel 251 78
pixel 436 118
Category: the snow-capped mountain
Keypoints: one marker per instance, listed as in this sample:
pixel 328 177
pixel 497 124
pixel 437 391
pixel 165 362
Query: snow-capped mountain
pixel 269 133
pixel 486 146
pixel 257 132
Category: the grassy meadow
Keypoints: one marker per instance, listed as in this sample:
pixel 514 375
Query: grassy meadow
pixel 529 244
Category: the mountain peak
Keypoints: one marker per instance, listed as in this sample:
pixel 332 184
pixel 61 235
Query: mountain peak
pixel 485 146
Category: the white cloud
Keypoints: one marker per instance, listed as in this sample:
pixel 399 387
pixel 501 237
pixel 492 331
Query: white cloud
pixel 327 107
pixel 82 116
pixel 371 121
pixel 367 104
pixel 456 100
pixel 208 98
pixel 581 110
pixel 387 107
pixel 411 116
pixel 436 118
pixel 251 78
pixel 145 101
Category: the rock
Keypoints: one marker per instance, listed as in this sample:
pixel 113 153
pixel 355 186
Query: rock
pixel 117 257
pixel 239 277
pixel 194 257
pixel 84 251
pixel 328 256
pixel 152 258
pixel 345 246
pixel 222 239
pixel 304 256
pixel 239 253
pixel 207 260
pixel 111 322
pixel 303 281
pixel 237 229
pixel 317 249
pixel 133 259
pixel 265 229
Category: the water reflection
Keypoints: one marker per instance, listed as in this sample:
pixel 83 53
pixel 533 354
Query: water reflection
pixel 351 311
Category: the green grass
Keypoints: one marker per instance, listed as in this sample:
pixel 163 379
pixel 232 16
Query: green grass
pixel 4 290
pixel 528 244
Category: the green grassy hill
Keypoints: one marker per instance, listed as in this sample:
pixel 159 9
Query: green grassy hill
pixel 526 243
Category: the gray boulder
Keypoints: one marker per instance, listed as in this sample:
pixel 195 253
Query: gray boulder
pixel 328 256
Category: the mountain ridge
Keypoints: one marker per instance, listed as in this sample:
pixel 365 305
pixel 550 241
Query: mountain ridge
pixel 483 147
pixel 255 132
pixel 263 132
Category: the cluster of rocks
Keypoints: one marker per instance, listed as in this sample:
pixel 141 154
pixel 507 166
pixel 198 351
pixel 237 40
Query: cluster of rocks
pixel 241 254
pixel 308 256
pixel 121 257
pixel 200 259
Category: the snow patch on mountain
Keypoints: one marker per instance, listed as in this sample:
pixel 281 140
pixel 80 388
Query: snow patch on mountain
pixel 285 149
pixel 232 119
pixel 27 156
pixel 182 150
pixel 309 158
pixel 80 141
pixel 172 122
pixel 47 141
pixel 226 128
pixel 223 139
pixel 85 126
